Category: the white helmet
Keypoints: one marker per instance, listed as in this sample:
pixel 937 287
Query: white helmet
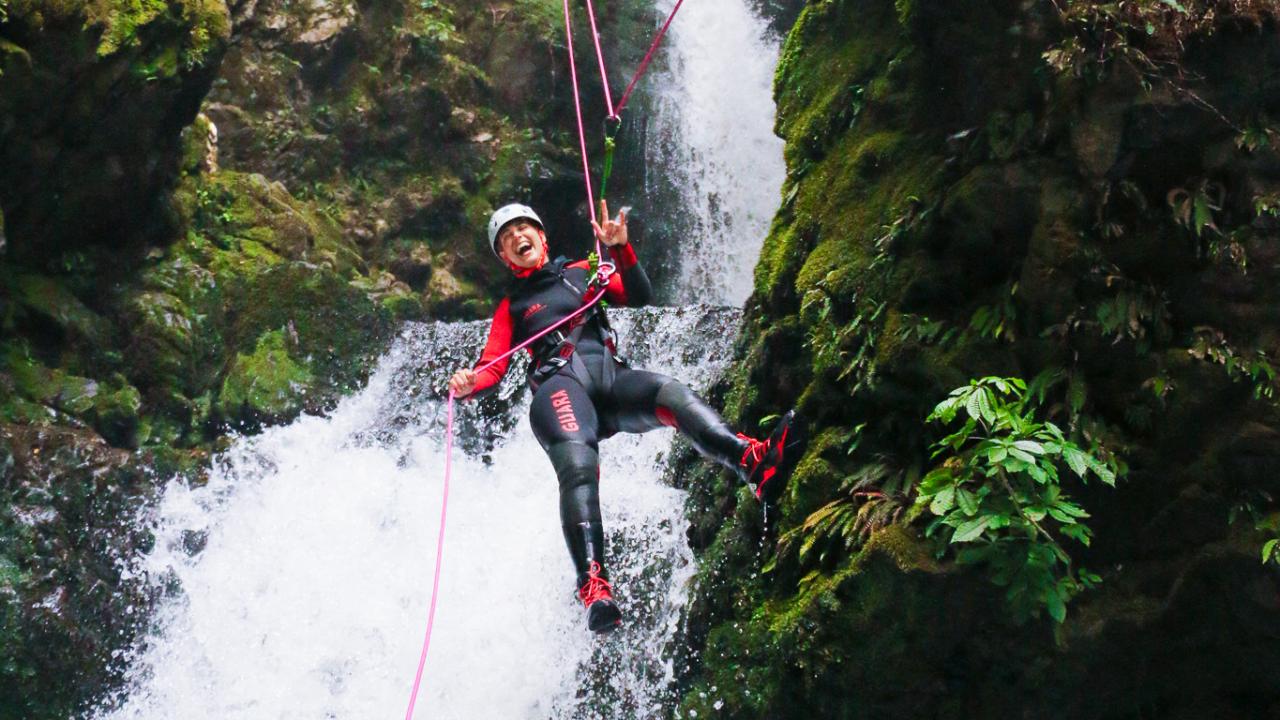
pixel 504 215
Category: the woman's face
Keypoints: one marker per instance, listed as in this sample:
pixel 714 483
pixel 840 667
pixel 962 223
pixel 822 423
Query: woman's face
pixel 523 244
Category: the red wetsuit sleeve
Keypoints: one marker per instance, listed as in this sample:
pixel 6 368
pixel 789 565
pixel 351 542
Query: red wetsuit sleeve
pixel 616 292
pixel 630 285
pixel 624 256
pixel 499 342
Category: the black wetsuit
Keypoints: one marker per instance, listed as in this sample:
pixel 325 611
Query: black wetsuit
pixel 583 392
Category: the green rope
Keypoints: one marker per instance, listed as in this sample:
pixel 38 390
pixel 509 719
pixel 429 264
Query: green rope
pixel 611 127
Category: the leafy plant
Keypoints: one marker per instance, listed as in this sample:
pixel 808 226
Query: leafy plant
pixel 907 219
pixel 1268 204
pixel 1193 207
pixel 1260 507
pixel 996 321
pixel 1255 368
pixel 918 328
pixel 872 497
pixel 849 346
pixel 430 21
pixel 213 205
pixel 998 492
pixel 1270 551
pixel 1259 134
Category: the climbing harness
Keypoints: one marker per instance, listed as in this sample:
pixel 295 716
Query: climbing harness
pixel 598 283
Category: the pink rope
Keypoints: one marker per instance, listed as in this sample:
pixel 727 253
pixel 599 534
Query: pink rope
pixel 644 64
pixel 604 75
pixel 435 583
pixel 605 270
pixel 577 106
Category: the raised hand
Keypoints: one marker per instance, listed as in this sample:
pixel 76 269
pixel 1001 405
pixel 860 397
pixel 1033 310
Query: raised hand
pixel 614 232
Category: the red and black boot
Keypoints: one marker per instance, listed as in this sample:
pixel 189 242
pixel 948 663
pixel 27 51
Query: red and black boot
pixel 596 595
pixel 766 465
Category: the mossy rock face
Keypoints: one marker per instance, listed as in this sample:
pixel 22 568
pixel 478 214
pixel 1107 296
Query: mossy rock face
pixel 91 169
pixel 37 394
pixel 301 335
pixel 956 208
pixel 409 123
pixel 267 384
pixel 65 508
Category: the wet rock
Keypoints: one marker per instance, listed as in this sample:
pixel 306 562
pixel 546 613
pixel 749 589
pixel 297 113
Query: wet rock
pixel 414 267
pixel 971 183
pixel 92 169
pixel 265 385
pixel 66 500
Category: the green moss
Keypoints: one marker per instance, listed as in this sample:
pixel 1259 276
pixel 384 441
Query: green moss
pixel 111 407
pixel 833 46
pixel 234 207
pixel 816 478
pixel 206 22
pixel 816 652
pixel 50 300
pixel 267 383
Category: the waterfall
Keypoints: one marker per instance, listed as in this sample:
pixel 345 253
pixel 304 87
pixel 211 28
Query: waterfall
pixel 298 576
pixel 714 166
pixel 294 583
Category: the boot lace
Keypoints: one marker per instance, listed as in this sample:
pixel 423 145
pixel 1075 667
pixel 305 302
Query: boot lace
pixel 596 587
pixel 755 451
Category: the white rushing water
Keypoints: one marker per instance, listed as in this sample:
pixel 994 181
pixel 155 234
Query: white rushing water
pixel 295 583
pixel 711 151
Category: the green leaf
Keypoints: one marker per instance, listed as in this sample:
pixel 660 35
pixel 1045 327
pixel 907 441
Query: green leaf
pixel 1057 608
pixel 1072 509
pixel 1030 446
pixel 1076 460
pixel 985 406
pixel 943 501
pixel 1175 5
pixel 1038 474
pixel 934 481
pixel 1269 548
pixel 1022 455
pixel 1103 472
pixel 971 530
pixel 973 406
pixel 1079 533
pixel 1061 517
pixel 967 501
pixel 997 454
pixel 808 543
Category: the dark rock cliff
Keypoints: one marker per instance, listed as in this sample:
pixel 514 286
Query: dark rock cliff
pixel 1076 193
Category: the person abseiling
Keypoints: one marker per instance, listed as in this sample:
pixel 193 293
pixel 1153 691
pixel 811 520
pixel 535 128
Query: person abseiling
pixel 583 392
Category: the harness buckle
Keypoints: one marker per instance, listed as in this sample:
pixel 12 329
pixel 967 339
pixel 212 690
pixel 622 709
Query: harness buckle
pixel 604 271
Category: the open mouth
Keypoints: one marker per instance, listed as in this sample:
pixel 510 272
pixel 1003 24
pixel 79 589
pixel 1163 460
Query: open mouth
pixel 524 247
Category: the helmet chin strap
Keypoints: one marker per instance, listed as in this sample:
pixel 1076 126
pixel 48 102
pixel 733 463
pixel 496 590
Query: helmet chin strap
pixel 523 272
